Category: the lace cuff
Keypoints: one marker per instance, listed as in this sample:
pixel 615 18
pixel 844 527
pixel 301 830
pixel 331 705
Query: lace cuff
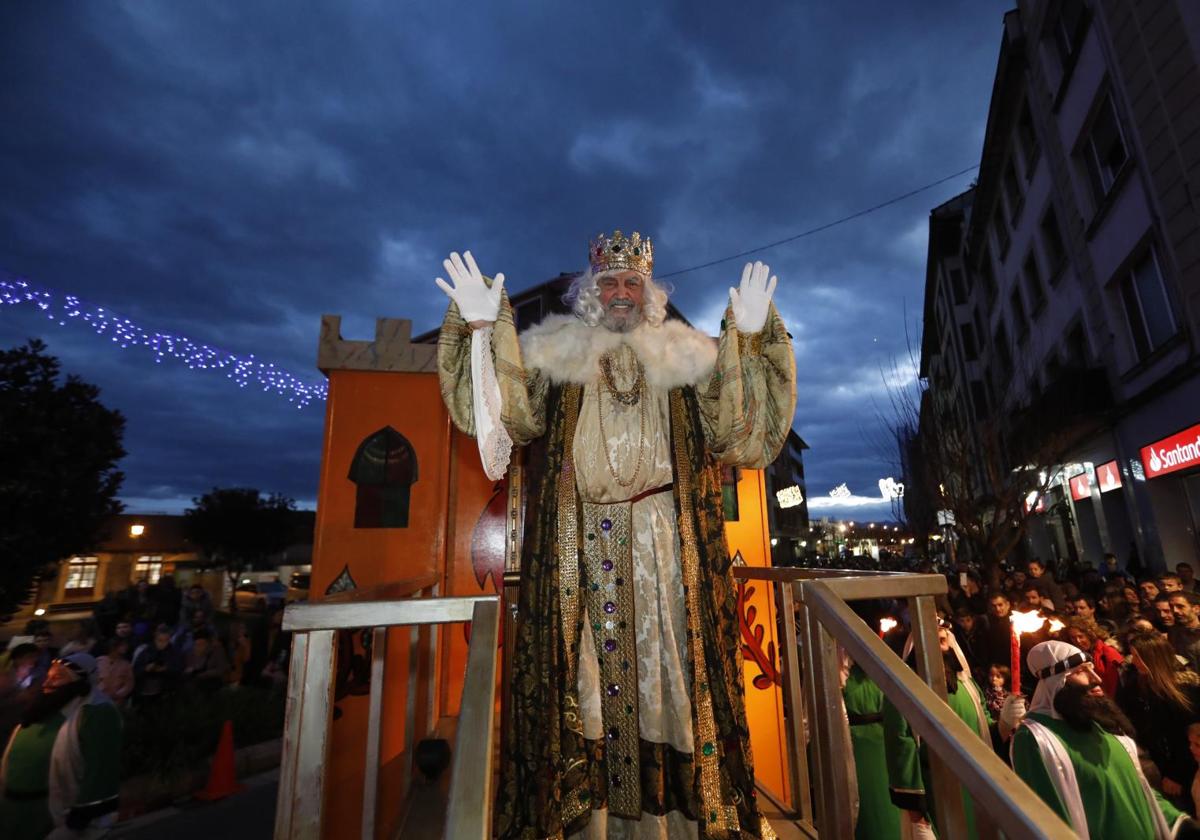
pixel 495 445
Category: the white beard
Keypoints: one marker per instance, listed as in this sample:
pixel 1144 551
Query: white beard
pixel 620 319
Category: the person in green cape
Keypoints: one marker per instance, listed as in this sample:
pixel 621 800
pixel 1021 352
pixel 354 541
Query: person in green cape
pixel 878 818
pixel 60 773
pixel 907 763
pixel 1074 749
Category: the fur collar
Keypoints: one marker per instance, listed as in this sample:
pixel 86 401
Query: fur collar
pixel 567 350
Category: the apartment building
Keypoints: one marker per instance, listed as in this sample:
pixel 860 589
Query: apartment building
pixel 1068 277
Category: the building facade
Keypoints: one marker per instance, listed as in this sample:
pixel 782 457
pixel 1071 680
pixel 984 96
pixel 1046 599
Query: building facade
pixel 1069 275
pixel 787 503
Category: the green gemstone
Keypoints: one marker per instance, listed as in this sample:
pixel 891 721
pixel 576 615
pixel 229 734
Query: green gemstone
pixel 704 686
pixel 596 626
pixel 584 796
pixel 629 710
pixel 621 541
pixel 712 816
pixel 591 536
pixel 709 748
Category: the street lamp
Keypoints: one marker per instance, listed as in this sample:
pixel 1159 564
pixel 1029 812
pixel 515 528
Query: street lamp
pixel 137 530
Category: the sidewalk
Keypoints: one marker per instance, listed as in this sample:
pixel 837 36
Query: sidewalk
pixel 249 815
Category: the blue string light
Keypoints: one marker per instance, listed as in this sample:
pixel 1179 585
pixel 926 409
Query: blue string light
pixel 242 370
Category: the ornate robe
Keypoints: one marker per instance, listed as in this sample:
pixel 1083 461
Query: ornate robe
pixel 626 717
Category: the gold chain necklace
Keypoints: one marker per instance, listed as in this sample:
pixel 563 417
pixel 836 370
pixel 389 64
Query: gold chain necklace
pixel 638 387
pixel 631 396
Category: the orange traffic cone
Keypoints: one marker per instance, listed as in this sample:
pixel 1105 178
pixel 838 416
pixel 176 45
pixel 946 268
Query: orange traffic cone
pixel 222 779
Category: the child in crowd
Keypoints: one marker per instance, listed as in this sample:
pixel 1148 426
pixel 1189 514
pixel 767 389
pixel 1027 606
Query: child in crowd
pixel 997 688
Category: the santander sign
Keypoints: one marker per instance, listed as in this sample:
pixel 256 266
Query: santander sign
pixel 1180 451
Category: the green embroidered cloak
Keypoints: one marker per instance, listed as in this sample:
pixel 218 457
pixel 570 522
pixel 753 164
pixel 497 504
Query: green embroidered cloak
pixel 1112 794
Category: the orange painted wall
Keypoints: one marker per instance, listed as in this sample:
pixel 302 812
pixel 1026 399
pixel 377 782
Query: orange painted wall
pixel 360 403
pixel 764 702
pixel 475 564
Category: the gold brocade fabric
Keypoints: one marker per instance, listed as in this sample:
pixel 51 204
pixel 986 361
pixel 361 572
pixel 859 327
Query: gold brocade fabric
pixel 747 407
pixel 623 442
pixel 557 771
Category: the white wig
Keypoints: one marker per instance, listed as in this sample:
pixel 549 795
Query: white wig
pixel 583 296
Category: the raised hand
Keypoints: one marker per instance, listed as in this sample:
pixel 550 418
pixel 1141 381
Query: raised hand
pixel 477 304
pixel 751 301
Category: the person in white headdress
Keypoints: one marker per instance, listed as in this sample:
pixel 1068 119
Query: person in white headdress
pixel 906 760
pixel 1074 748
pixel 60 773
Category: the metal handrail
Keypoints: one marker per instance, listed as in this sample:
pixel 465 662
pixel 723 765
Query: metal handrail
pixel 310 703
pixel 958 756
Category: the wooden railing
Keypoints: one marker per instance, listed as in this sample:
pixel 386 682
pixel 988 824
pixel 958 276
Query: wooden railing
pixel 814 600
pixel 310 703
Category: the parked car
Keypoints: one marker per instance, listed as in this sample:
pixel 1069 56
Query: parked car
pixel 260 595
pixel 298 586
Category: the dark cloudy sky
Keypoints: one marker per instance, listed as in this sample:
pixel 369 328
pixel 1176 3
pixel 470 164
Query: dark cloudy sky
pixel 230 170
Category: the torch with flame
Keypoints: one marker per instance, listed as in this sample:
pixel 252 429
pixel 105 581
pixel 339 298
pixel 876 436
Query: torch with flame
pixel 886 625
pixel 1022 622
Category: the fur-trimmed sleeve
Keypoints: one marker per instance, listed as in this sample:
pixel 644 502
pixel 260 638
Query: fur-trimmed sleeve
pixel 748 405
pixel 522 394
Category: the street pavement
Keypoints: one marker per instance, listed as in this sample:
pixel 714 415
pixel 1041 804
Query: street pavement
pixel 248 815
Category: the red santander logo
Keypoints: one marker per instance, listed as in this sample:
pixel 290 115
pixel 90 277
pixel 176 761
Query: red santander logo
pixel 1180 451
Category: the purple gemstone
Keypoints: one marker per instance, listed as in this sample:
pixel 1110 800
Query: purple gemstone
pixel 606 524
pixel 614 734
pixel 613 689
pixel 607 565
pixel 610 607
pixel 610 645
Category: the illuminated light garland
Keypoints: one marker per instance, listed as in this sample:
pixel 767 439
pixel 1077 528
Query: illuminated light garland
pixel 789 496
pixel 242 370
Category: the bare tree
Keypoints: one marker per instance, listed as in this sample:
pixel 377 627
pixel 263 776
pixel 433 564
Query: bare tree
pixel 989 471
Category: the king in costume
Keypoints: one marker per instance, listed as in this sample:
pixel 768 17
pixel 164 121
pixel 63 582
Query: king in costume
pixel 626 716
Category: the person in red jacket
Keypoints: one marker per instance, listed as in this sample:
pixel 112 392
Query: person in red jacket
pixel 1087 635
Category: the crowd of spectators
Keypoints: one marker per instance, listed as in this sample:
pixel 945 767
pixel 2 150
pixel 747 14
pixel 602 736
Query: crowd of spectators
pixel 1142 632
pixel 152 643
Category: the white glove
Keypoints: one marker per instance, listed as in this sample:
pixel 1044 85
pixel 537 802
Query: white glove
pixel 476 302
pixel 750 302
pixel 1012 711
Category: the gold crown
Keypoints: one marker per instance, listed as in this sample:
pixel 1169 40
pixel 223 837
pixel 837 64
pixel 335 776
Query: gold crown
pixel 620 254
